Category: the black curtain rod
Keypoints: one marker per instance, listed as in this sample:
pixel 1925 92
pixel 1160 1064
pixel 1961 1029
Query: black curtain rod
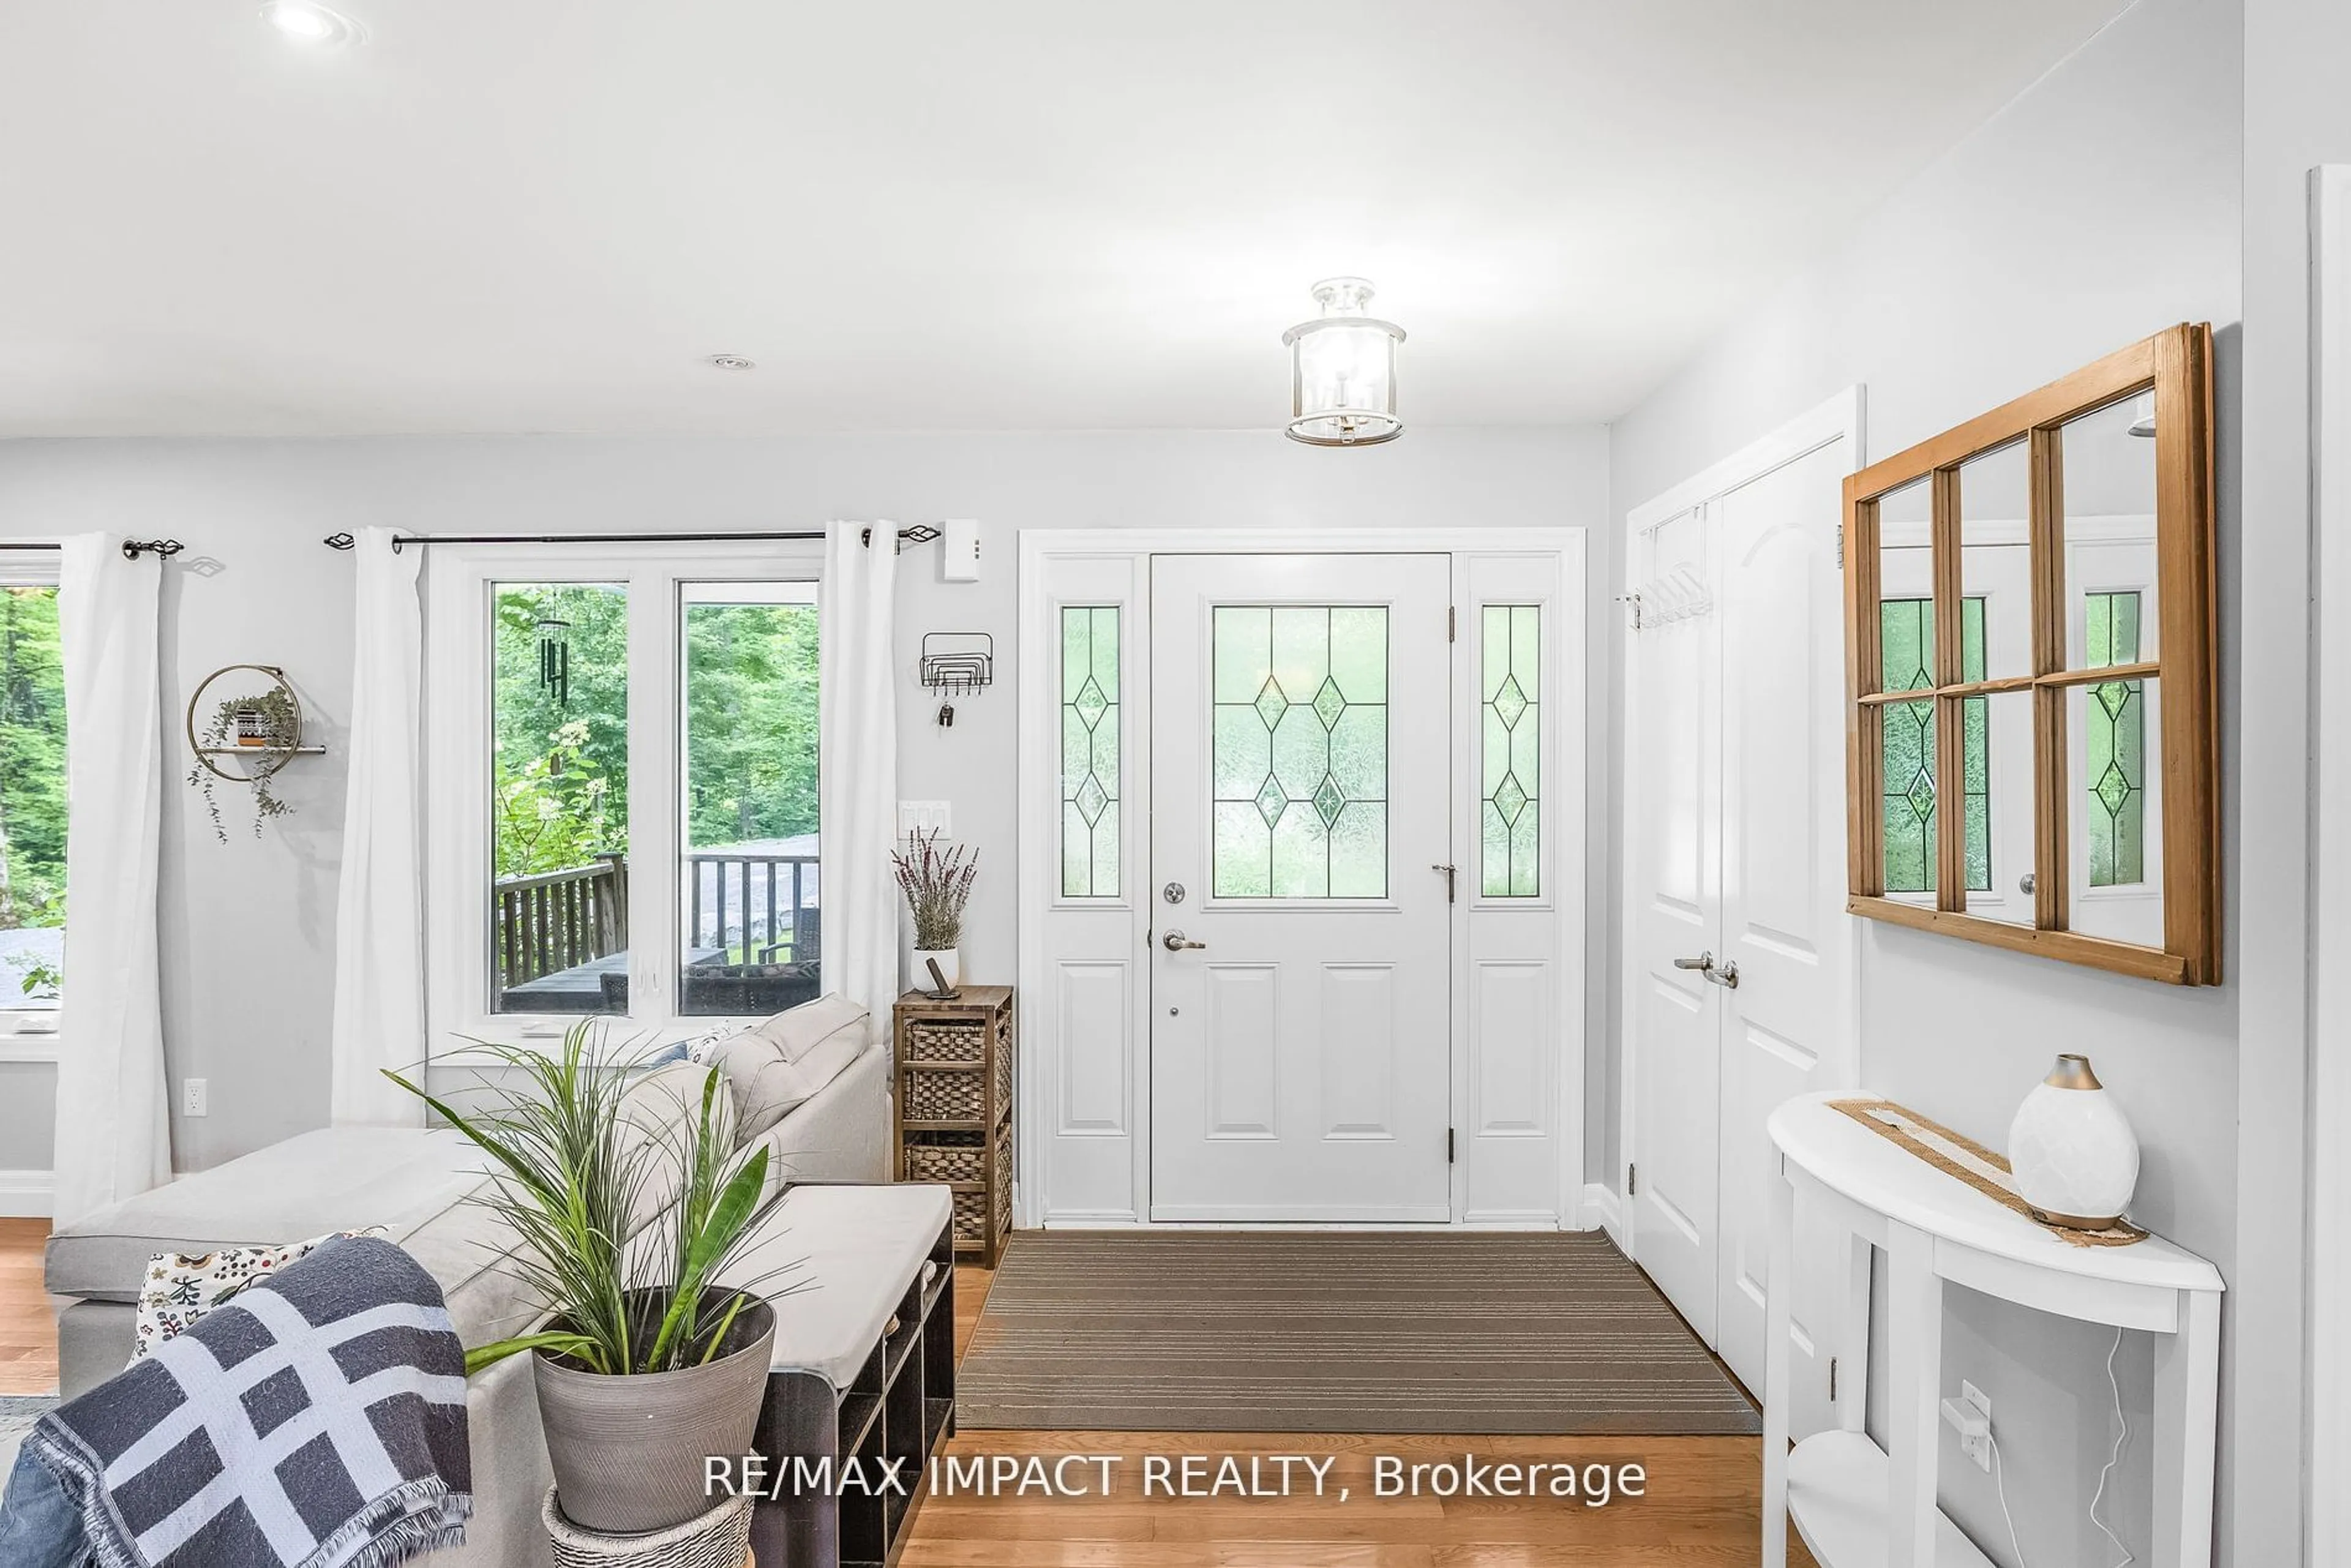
pixel 131 548
pixel 920 534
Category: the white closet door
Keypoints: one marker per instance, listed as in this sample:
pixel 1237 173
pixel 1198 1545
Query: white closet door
pixel 1673 732
pixel 1782 843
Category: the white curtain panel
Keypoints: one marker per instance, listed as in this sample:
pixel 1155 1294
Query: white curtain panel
pixel 857 753
pixel 114 1138
pixel 380 908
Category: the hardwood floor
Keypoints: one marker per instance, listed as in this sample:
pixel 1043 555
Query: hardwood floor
pixel 28 1333
pixel 1699 1510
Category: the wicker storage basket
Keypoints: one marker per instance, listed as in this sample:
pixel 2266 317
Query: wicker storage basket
pixel 947 1156
pixel 944 1096
pixel 946 1039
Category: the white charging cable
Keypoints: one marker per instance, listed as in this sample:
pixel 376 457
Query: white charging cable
pixel 2000 1479
pixel 2122 1431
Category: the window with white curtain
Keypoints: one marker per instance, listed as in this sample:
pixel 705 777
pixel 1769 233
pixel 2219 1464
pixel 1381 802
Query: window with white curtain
pixel 32 798
pixel 623 811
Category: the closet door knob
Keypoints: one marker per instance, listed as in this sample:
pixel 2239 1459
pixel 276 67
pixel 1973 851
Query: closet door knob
pixel 1703 963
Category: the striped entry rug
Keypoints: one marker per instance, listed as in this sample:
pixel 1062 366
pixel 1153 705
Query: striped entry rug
pixel 1405 1333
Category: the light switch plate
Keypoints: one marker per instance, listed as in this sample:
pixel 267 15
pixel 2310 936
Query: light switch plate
pixel 960 550
pixel 925 817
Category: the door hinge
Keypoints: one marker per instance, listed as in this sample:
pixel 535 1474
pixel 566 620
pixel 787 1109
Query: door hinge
pixel 1449 1146
pixel 1840 544
pixel 1451 630
pixel 1632 1180
pixel 1833 1380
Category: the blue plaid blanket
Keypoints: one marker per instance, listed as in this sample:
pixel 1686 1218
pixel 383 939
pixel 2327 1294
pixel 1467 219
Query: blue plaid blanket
pixel 316 1420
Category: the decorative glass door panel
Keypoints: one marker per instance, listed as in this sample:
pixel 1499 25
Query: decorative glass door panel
pixel 1300 750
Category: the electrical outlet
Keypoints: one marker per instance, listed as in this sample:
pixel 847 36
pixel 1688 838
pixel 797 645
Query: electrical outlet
pixel 1971 1416
pixel 194 1097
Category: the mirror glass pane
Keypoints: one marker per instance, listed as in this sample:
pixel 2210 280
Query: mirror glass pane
pixel 1999 732
pixel 2114 810
pixel 2109 533
pixel 1996 557
pixel 1906 628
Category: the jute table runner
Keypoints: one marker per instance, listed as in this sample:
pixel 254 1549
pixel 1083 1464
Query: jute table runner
pixel 1971 1163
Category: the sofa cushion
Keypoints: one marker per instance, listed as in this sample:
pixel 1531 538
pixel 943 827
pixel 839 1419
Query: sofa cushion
pixel 775 1066
pixel 336 1178
pixel 796 1032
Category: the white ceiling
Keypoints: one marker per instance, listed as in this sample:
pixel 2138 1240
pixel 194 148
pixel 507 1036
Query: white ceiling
pixel 541 215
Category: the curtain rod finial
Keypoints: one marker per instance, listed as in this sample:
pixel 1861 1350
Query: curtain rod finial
pixel 340 542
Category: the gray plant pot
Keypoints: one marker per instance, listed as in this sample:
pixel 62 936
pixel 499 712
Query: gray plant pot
pixel 628 1452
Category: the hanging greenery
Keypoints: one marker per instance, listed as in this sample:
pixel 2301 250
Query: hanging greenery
pixel 270 724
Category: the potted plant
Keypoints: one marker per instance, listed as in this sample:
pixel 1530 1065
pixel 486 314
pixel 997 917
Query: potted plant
pixel 646 1364
pixel 271 723
pixel 937 884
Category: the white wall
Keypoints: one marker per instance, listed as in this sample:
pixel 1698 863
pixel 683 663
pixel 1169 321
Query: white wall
pixel 249 926
pixel 2297 116
pixel 2101 205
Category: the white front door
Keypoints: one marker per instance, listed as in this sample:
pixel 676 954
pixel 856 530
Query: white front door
pixel 1300 941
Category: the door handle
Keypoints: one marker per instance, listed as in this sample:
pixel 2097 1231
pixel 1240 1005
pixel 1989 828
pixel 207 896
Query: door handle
pixel 1176 942
pixel 1727 977
pixel 1704 963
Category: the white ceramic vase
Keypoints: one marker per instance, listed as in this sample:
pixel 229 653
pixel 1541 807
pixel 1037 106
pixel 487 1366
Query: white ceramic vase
pixel 950 965
pixel 2072 1149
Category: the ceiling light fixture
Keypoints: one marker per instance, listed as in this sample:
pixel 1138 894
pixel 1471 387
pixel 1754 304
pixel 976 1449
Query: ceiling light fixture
pixel 1343 389
pixel 731 362
pixel 312 25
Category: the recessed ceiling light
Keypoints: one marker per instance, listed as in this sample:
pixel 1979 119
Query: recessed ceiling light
pixel 732 362
pixel 306 21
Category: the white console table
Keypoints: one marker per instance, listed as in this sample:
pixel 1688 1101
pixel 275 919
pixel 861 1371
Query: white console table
pixel 1858 1506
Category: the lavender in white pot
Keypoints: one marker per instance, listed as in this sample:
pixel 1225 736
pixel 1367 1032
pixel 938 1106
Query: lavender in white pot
pixel 937 884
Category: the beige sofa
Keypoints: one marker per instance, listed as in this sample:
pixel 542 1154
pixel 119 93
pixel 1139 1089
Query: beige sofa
pixel 414 1184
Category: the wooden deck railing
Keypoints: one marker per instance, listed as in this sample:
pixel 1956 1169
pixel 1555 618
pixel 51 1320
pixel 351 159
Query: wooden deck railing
pixel 756 909
pixel 558 919
pixel 760 908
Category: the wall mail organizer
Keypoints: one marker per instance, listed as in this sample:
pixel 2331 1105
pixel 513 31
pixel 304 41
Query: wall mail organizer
pixel 956 664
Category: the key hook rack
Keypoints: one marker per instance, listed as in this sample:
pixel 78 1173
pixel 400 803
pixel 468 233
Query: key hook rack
pixel 956 664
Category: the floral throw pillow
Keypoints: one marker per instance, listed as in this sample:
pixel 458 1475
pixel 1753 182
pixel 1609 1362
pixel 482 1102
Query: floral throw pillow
pixel 179 1289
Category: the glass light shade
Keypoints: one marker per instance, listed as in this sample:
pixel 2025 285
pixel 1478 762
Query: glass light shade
pixel 1342 383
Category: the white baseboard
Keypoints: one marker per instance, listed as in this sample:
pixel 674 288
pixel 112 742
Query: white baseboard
pixel 27 1195
pixel 1602 1210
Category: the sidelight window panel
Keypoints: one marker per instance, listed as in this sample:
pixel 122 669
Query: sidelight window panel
pixel 1510 722
pixel 1091 811
pixel 1298 751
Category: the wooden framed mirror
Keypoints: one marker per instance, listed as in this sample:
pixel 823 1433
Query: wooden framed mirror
pixel 2032 740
